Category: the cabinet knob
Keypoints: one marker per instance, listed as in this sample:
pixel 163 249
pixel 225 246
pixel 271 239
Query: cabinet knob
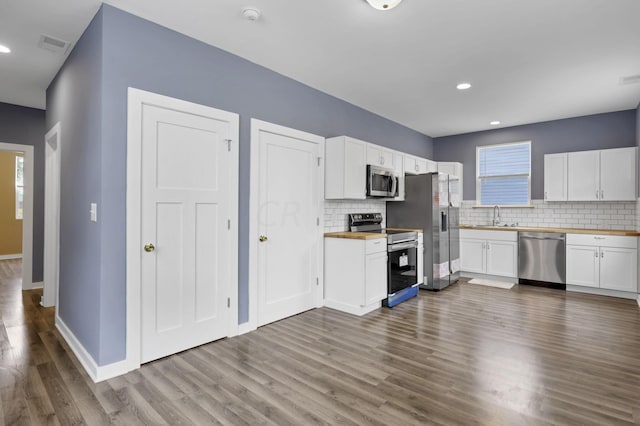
pixel 149 247
pixel 262 238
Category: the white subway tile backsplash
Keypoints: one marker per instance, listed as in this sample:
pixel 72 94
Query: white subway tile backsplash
pixel 336 211
pixel 596 215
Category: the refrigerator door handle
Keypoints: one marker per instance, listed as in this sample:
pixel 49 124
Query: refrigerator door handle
pixel 443 221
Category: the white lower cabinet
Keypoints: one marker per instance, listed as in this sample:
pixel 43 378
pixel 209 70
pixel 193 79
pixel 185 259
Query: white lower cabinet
pixel 606 262
pixel 489 252
pixel 355 274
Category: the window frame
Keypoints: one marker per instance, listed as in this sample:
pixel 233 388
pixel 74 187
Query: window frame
pixel 479 179
pixel 19 214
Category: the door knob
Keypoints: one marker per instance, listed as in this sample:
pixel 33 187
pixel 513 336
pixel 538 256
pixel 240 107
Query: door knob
pixel 149 248
pixel 263 238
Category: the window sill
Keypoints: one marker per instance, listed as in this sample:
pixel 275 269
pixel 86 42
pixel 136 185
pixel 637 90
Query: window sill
pixel 526 206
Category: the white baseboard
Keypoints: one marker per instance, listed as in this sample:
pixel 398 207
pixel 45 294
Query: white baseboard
pixel 34 286
pixel 602 292
pixel 11 256
pixel 97 372
pixel 246 327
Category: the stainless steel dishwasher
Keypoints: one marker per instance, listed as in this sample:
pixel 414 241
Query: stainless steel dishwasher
pixel 541 256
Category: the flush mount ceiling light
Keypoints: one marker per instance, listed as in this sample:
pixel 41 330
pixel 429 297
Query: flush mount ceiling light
pixel 495 123
pixel 463 86
pixel 383 4
pixel 4 49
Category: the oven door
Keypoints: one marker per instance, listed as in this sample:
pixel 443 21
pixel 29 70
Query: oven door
pixel 402 266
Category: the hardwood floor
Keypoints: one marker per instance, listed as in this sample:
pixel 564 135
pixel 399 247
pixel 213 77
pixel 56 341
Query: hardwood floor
pixel 467 355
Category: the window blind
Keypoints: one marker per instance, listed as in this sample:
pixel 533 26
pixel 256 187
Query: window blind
pixel 503 176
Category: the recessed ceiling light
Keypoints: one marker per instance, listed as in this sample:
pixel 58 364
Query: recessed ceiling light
pixel 4 49
pixel 463 86
pixel 494 123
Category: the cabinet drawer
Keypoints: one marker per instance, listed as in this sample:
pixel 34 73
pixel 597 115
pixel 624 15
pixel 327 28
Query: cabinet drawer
pixel 481 234
pixel 376 245
pixel 602 240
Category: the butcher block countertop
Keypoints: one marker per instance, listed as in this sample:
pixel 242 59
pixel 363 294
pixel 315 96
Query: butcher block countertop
pixel 365 235
pixel 355 235
pixel 563 230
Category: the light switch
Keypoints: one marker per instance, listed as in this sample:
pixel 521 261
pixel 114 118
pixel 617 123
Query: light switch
pixel 94 212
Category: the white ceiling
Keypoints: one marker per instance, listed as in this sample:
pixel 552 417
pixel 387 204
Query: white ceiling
pixel 528 60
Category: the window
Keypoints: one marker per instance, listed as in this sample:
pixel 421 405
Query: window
pixel 504 174
pixel 19 187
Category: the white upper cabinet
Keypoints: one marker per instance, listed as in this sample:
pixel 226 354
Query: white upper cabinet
pixel 583 176
pixel 555 177
pixel 618 174
pixel 605 175
pixel 345 168
pixel 451 168
pixel 431 166
pixel 379 156
pixel 418 166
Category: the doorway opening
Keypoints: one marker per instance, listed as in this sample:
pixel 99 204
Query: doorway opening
pixel 22 209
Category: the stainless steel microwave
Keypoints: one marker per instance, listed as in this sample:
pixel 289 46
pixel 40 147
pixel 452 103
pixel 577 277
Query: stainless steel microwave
pixel 381 182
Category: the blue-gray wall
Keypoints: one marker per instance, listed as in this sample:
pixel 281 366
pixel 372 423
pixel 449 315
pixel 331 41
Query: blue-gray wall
pixel 74 98
pixel 26 126
pixel 141 54
pixel 599 131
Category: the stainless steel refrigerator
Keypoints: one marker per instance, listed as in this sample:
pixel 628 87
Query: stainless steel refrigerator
pixel 432 203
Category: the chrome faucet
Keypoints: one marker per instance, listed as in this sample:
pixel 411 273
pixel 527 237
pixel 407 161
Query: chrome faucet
pixel 496 218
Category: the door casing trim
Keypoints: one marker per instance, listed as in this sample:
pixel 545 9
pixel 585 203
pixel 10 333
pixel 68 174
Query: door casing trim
pixel 51 256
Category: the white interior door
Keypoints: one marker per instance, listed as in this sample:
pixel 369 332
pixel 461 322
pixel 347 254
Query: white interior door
pixel 186 206
pixel 289 236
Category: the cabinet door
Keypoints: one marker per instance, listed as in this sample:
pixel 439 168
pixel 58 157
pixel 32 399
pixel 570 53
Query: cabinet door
pixel 410 165
pixel 555 177
pixel 387 159
pixel 583 176
pixel 618 174
pixel 374 155
pixel 618 269
pixel 502 258
pixel 379 156
pixel 583 266
pixel 431 166
pixel 355 169
pixel 375 288
pixel 472 256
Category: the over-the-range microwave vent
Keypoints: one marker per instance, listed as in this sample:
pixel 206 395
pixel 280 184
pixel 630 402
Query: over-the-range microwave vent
pixel 53 44
pixel 630 79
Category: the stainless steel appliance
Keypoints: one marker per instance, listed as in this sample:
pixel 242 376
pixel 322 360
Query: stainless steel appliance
pixel 381 182
pixel 432 203
pixel 541 256
pixel 402 256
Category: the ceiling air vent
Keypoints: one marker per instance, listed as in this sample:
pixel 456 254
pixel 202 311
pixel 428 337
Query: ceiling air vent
pixel 53 44
pixel 630 79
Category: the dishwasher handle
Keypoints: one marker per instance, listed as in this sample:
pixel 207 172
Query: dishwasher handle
pixel 562 238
